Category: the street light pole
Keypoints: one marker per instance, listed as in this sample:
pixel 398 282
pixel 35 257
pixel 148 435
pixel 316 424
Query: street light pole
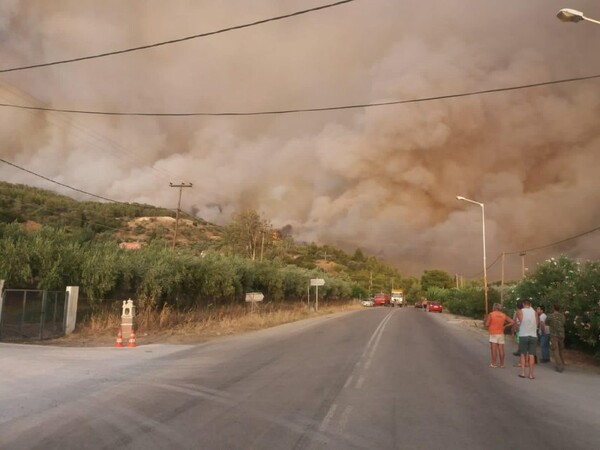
pixel 485 283
pixel 502 282
pixel 572 15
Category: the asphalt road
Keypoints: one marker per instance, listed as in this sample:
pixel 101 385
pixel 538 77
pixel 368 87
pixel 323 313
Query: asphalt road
pixel 379 378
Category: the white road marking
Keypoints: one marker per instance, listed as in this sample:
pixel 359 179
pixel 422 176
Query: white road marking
pixel 360 382
pixel 348 381
pixel 367 357
pixel 328 417
pixel 345 417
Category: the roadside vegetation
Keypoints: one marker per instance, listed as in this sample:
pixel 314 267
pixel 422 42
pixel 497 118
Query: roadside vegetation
pixel 573 285
pixel 49 241
pixel 195 325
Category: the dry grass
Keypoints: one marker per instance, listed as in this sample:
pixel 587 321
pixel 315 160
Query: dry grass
pixel 198 325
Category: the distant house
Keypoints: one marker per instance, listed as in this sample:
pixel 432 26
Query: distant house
pixel 130 245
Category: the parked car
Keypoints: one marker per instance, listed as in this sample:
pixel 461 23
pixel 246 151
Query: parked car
pixel 381 299
pixel 434 307
pixel 367 302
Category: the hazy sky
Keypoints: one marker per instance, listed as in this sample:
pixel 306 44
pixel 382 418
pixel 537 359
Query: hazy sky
pixel 383 179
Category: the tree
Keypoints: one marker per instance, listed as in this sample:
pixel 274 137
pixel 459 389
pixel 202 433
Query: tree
pixel 358 255
pixel 436 278
pixel 248 233
pixel 412 289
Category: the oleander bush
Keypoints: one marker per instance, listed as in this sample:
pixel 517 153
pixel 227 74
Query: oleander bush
pixel 575 287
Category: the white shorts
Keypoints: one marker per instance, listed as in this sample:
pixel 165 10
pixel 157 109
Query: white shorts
pixel 497 338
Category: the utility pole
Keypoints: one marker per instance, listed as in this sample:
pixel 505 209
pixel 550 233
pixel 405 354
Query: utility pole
pixel 522 255
pixel 502 282
pixel 180 186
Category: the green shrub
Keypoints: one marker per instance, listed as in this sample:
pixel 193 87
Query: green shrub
pixel 575 287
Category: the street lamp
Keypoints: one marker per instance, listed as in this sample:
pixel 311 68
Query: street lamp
pixel 572 15
pixel 485 284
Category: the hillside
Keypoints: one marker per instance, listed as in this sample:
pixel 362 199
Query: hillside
pixel 135 225
pixel 127 222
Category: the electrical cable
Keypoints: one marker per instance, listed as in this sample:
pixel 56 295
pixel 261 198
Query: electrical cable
pixel 83 132
pixel 536 248
pixel 487 268
pixel 45 208
pixel 125 203
pixel 174 41
pixel 304 110
pixel 61 184
pixel 82 191
pixel 554 243
pixel 494 262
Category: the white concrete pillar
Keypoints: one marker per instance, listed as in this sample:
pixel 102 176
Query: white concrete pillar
pixel 71 310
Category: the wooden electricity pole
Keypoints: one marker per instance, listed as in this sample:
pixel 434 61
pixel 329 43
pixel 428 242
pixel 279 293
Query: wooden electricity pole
pixel 180 186
pixel 522 255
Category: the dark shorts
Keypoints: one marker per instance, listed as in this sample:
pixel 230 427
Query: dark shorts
pixel 527 344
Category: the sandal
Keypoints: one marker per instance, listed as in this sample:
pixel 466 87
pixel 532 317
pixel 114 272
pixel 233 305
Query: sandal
pixel 532 378
pixel 493 366
pixel 521 376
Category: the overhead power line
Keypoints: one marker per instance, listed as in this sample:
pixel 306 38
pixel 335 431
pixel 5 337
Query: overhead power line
pixel 487 268
pixel 174 41
pixel 304 110
pixel 79 190
pixel 60 184
pixel 91 137
pixel 50 211
pixel 554 243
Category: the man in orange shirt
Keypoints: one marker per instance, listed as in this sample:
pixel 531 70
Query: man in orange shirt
pixel 496 322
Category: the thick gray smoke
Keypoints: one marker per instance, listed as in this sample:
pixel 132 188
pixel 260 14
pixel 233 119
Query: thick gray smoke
pixel 383 179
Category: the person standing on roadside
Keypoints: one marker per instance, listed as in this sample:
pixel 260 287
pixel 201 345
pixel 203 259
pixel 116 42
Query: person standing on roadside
pixel 528 320
pixel 497 321
pixel 556 322
pixel 516 325
pixel 544 333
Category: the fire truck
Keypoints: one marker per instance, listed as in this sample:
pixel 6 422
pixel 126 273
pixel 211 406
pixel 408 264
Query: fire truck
pixel 397 298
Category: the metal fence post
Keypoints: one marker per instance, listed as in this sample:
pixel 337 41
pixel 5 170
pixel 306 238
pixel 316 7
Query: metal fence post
pixel 23 313
pixel 1 304
pixel 43 313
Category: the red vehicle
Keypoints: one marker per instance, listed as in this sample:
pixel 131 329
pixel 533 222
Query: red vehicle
pixel 381 299
pixel 434 306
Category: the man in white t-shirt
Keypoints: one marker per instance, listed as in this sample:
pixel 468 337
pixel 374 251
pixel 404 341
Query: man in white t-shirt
pixel 529 320
pixel 544 333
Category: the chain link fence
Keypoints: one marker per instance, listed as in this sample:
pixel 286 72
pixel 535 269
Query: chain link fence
pixel 32 314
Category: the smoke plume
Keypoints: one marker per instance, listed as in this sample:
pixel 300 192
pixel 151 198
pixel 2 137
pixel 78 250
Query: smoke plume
pixel 384 179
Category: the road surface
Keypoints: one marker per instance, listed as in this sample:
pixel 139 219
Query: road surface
pixel 378 378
